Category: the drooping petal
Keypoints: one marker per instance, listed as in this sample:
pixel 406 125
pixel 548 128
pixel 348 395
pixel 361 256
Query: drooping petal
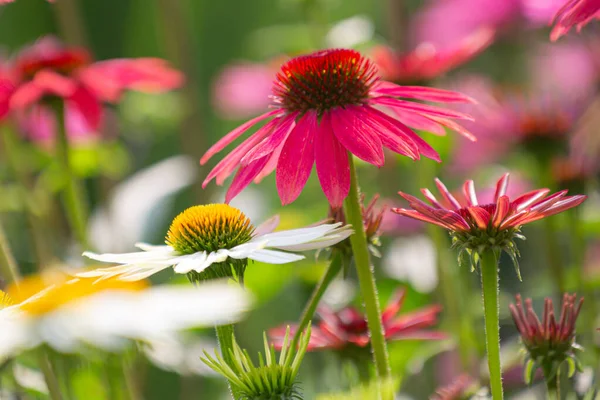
pixel 296 159
pixel 234 134
pixel 357 138
pixel 274 256
pixel 190 262
pixel 420 93
pixel 271 142
pixel 333 168
pixel 423 109
pixel 88 105
pixel 244 176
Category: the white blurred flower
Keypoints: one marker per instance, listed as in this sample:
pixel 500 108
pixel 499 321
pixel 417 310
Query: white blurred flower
pixel 67 313
pixel 202 236
pixel 350 32
pixel 413 259
pixel 180 354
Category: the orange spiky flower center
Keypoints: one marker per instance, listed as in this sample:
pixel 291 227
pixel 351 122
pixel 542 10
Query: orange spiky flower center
pixel 323 80
pixel 209 228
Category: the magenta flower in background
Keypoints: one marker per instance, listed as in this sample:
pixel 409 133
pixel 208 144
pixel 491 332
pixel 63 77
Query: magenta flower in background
pixel 348 327
pixel 427 62
pixel 325 105
pixel 48 69
pixel 574 13
pixel 462 387
pixel 242 90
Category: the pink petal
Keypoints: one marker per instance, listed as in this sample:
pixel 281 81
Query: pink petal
pixel 502 210
pixel 391 136
pixel 271 164
pixel 527 199
pixel 333 168
pixel 224 168
pixel 565 204
pixel 548 201
pixel 453 126
pixel 429 196
pixel 267 227
pixel 447 195
pixel 296 159
pixel 404 133
pixel 244 176
pixel 54 83
pixel 420 217
pixel 277 137
pixel 355 136
pixel 234 134
pixel 481 216
pixel 423 109
pixel 26 95
pixel 501 186
pixel 469 193
pixel 417 121
pixel 420 93
pixel 89 106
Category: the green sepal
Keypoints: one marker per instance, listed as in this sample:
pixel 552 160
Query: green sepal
pixel 529 371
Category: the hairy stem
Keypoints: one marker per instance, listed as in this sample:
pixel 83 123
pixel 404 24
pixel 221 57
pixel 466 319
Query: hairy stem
pixel 225 337
pixel 309 310
pixel 366 275
pixel 490 290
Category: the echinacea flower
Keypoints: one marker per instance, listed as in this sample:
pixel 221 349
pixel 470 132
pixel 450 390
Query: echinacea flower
pixel 271 378
pixel 476 227
pixel 574 13
pixel 551 341
pixel 461 388
pixel 326 106
pixel 426 61
pixel 348 327
pixel 48 70
pixel 69 313
pixel 217 240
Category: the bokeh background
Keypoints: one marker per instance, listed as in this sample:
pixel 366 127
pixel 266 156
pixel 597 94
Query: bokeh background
pixel 143 168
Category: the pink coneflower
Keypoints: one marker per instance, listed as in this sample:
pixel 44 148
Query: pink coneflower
pixel 476 227
pixel 551 341
pixel 49 70
pixel 574 13
pixel 325 106
pixel 426 61
pixel 348 327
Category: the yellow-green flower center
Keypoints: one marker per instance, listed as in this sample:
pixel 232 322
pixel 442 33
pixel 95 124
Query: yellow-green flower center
pixel 209 228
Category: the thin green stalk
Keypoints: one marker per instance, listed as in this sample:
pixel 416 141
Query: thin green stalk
pixel 309 310
pixel 490 290
pixel 366 277
pixel 225 337
pixel 8 265
pixel 49 377
pixel 75 205
pixel 552 385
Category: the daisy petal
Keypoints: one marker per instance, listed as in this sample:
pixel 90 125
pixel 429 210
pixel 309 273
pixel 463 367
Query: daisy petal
pixel 274 256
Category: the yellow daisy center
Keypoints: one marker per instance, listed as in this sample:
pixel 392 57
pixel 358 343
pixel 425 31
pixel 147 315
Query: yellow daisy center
pixel 37 295
pixel 5 300
pixel 209 228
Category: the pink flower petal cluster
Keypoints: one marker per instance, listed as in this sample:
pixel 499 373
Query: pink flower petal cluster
pixel 325 106
pixel 47 69
pixel 348 327
pixel 574 13
pixel 426 61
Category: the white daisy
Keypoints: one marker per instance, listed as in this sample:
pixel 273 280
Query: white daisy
pixel 68 313
pixel 208 235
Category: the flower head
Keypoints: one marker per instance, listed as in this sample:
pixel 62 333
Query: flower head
pixel 68 313
pixel 348 327
pixel 476 227
pixel 427 62
pixel 48 70
pixel 269 380
pixel 325 105
pixel 549 342
pixel 574 13
pixel 217 240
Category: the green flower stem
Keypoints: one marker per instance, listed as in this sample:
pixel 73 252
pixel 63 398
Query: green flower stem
pixel 309 310
pixel 49 377
pixel 490 289
pixel 8 265
pixel 366 277
pixel 553 384
pixel 225 337
pixel 75 205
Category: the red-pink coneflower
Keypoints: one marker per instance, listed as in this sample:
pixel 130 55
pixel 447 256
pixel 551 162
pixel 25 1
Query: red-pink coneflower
pixel 326 105
pixel 462 387
pixel 348 327
pixel 574 13
pixel 551 341
pixel 477 227
pixel 48 69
